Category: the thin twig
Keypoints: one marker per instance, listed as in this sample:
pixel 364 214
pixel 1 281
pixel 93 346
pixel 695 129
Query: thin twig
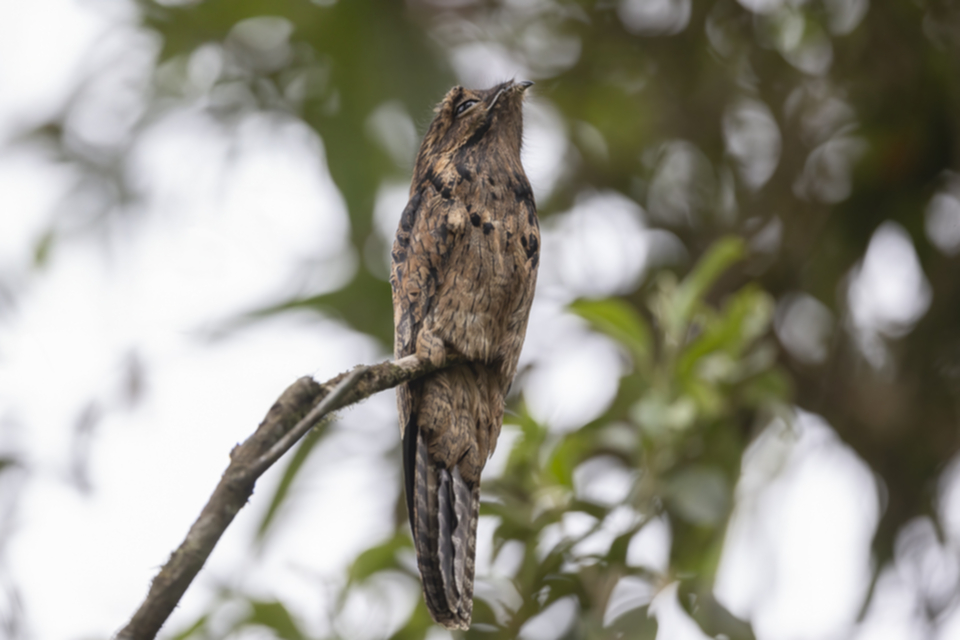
pixel 302 406
pixel 316 414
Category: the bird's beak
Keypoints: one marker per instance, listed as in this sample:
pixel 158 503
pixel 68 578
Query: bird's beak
pixel 518 87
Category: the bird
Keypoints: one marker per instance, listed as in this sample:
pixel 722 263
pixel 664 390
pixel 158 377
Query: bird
pixel 463 272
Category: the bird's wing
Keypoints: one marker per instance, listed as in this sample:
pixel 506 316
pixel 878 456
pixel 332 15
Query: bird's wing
pixel 442 506
pixel 418 263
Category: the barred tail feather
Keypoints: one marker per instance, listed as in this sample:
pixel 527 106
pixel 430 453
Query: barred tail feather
pixel 443 510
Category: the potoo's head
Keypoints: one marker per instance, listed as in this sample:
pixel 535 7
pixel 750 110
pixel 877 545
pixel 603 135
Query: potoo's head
pixel 469 119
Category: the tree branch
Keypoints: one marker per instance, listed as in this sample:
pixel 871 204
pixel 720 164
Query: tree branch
pixel 302 406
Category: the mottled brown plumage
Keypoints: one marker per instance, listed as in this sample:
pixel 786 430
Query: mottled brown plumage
pixel 464 270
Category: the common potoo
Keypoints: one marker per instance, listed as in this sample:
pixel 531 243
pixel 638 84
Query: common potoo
pixel 463 273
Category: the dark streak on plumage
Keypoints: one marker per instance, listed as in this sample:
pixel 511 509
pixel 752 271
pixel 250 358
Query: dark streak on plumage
pixel 522 192
pixel 434 179
pixel 409 444
pixel 409 215
pixel 532 246
pixel 532 213
pixel 479 133
pixel 465 173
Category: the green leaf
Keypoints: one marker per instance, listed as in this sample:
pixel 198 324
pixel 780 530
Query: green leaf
pixel 522 471
pixel 770 386
pixel 379 558
pixel 709 400
pixel 723 253
pixel 591 508
pixel 635 624
pixel 621 544
pixel 483 614
pixel 562 585
pixel 700 495
pixel 565 457
pixel 274 616
pixel 712 616
pixel 199 625
pixel 658 416
pixel 745 317
pixel 621 321
pixel 419 623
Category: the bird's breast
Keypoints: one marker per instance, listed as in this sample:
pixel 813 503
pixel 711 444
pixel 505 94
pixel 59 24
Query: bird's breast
pixel 489 276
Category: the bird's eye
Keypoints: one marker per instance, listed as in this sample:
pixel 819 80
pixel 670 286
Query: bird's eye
pixel 463 106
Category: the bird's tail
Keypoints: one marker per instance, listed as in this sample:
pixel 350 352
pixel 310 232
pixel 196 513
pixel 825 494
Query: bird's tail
pixel 443 510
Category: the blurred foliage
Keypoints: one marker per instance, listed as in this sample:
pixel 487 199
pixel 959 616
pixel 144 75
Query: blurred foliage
pixel 770 138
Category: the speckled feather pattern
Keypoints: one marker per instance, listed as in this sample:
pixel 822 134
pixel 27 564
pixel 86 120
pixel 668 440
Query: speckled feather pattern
pixel 463 273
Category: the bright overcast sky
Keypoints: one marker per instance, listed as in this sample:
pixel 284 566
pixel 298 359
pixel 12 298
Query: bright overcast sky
pixel 218 238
